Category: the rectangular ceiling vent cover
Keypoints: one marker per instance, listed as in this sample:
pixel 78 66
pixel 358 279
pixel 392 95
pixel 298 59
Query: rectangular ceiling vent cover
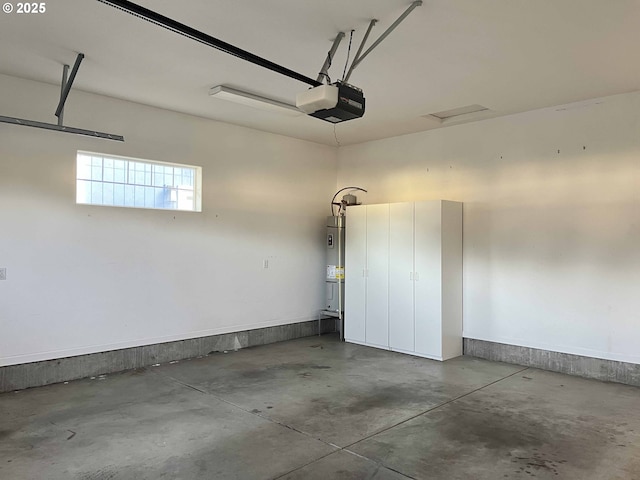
pixel 457 112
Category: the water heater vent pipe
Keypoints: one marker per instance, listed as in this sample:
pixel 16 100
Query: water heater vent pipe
pixel 341 204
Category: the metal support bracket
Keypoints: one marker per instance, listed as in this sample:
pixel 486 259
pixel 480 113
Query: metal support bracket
pixel 324 71
pixel 358 58
pixel 66 85
pixel 60 128
pixel 65 88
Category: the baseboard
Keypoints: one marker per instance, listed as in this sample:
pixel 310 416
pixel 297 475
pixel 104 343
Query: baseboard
pixel 589 367
pixel 37 374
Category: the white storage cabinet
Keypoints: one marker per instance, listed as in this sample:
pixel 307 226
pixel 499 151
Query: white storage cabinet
pixel 403 277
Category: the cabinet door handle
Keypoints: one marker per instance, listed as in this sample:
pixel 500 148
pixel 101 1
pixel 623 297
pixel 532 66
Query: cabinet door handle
pixel 417 276
pixel 410 275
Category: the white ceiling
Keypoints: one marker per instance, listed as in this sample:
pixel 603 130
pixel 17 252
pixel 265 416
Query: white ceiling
pixel 507 55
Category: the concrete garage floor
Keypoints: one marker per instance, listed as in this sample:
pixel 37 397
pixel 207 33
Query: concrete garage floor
pixel 316 408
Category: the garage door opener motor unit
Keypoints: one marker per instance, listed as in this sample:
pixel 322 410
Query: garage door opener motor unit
pixel 333 103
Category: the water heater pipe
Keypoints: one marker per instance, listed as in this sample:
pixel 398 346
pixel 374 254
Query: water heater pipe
pixel 340 299
pixel 342 190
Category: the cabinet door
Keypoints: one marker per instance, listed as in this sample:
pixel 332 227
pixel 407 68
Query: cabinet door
pixel 401 272
pixel 355 269
pixel 377 300
pixel 451 279
pixel 428 283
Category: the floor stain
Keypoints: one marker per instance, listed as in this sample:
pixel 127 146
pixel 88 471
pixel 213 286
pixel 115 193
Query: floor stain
pixel 273 371
pixel 380 397
pixel 101 474
pixel 538 462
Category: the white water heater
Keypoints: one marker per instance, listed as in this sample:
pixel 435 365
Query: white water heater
pixel 334 299
pixel 335 245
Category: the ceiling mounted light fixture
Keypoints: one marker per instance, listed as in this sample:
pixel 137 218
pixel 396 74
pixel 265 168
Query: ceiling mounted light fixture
pixel 252 100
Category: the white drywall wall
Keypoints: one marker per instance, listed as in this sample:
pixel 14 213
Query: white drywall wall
pixel 84 279
pixel 551 219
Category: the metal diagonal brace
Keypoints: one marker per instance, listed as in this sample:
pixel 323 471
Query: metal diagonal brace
pixel 65 74
pixel 362 44
pixel 358 59
pixel 67 86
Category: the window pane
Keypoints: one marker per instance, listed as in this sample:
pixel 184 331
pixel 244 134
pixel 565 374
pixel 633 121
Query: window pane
pixel 168 180
pixel 138 196
pixel 107 193
pixel 96 193
pixel 102 180
pixel 118 195
pixel 119 175
pixel 128 196
pixel 131 173
pixel 149 197
pixel 96 173
pixel 158 179
pixel 187 177
pixel 158 175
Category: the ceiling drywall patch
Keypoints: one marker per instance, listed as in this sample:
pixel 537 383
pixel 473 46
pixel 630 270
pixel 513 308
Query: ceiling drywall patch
pixel 575 106
pixel 456 112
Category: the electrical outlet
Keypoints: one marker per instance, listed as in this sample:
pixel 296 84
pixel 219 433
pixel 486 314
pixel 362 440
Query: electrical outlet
pixel 3 273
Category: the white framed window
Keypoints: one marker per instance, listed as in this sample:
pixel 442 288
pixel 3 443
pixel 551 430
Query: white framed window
pixel 131 182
